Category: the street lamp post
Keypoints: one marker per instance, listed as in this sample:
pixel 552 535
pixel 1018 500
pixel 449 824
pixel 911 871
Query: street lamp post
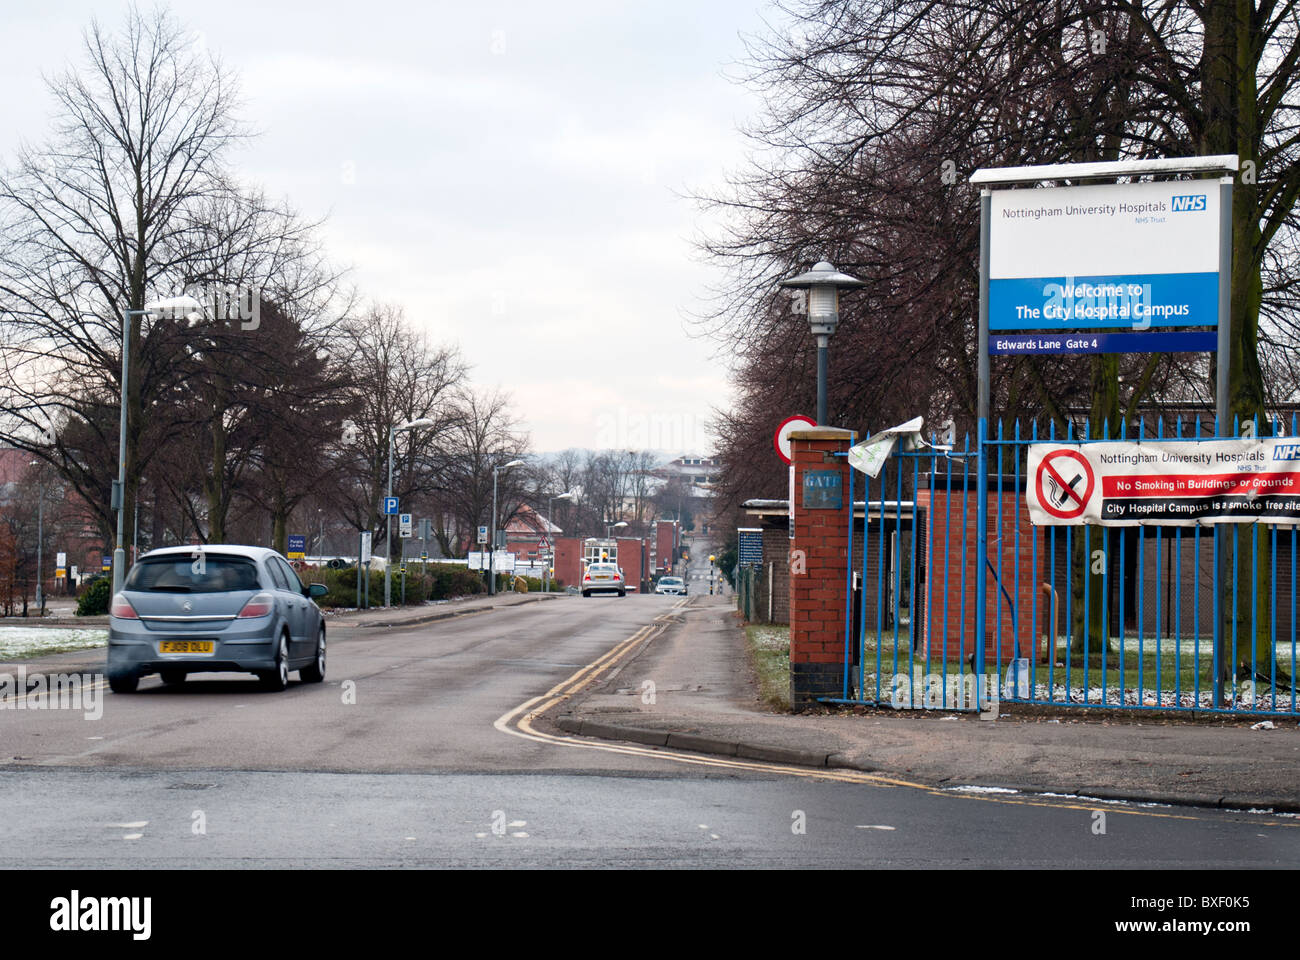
pixel 135 526
pixel 546 570
pixel 492 547
pixel 388 517
pixel 823 283
pixel 191 309
pixel 609 532
pixel 40 540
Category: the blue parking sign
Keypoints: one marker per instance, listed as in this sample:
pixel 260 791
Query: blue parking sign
pixel 390 506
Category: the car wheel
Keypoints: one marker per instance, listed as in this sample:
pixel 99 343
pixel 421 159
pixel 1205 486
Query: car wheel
pixel 172 677
pixel 586 593
pixel 315 671
pixel 277 679
pixel 123 682
pixel 622 593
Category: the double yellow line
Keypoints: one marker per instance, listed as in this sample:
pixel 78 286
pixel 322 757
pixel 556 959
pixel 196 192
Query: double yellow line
pixel 519 723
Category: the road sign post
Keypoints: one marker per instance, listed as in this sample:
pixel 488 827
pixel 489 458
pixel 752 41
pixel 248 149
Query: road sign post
pixel 363 563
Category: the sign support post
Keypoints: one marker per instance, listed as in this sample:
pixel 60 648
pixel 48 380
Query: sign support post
pixel 1222 406
pixel 981 447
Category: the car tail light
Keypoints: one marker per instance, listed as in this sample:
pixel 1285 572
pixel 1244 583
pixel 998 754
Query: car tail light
pixel 587 577
pixel 122 609
pixel 259 605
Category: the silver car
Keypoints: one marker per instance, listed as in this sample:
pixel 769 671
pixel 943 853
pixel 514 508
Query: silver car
pixel 603 578
pixel 215 608
pixel 674 586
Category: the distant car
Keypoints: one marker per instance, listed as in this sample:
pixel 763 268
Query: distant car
pixel 671 585
pixel 603 578
pixel 215 608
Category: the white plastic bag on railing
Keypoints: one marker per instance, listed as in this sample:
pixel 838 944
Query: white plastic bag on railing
pixel 870 455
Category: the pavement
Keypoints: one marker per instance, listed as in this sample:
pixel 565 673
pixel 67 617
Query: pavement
pixel 692 688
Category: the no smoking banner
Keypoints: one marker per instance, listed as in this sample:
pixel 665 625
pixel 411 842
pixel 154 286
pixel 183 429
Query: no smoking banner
pixel 1062 485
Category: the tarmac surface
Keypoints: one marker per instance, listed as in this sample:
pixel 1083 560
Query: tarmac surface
pixel 705 699
pixel 430 744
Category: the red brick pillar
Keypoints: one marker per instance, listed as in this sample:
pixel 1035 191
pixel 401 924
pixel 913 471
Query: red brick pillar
pixel 818 562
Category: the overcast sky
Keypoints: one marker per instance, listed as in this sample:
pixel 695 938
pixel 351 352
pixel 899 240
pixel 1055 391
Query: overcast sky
pixel 508 172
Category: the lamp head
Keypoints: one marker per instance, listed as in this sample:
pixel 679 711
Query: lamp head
pixel 823 283
pixel 178 308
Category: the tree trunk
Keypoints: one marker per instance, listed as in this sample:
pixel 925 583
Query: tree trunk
pixel 280 527
pixel 1229 68
pixel 1090 561
pixel 214 484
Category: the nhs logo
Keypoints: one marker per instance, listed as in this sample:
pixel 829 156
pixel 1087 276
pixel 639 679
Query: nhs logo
pixel 1286 451
pixel 1189 201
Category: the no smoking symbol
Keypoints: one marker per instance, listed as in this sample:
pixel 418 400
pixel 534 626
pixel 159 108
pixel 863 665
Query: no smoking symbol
pixel 1064 483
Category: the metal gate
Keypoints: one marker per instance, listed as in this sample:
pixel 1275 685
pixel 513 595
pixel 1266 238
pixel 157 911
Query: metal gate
pixel 941 552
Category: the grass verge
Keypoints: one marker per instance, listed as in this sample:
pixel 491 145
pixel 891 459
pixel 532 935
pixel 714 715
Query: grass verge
pixel 769 651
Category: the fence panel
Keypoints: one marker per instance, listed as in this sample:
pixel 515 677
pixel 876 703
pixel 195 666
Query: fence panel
pixel 1147 617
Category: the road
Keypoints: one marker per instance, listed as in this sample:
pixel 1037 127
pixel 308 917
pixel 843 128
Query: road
pixel 415 753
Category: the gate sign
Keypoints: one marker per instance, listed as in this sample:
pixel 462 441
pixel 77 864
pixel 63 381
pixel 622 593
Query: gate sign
pixel 750 546
pixel 823 490
pixel 1128 255
pixel 1165 482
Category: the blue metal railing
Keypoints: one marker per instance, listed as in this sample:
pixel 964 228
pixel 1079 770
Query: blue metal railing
pixel 1143 618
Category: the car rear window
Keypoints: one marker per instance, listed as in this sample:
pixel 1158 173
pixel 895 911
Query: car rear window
pixel 185 574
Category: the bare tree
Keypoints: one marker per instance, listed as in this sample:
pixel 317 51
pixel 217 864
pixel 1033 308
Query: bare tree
pixel 486 435
pixel 91 227
pixel 397 376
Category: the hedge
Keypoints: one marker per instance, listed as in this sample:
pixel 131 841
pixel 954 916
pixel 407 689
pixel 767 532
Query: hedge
pixel 95 599
pixel 439 582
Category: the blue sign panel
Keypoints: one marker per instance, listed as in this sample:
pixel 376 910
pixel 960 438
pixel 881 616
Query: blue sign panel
pixel 750 546
pixel 1182 341
pixel 297 544
pixel 823 490
pixel 1136 301
pixel 390 506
